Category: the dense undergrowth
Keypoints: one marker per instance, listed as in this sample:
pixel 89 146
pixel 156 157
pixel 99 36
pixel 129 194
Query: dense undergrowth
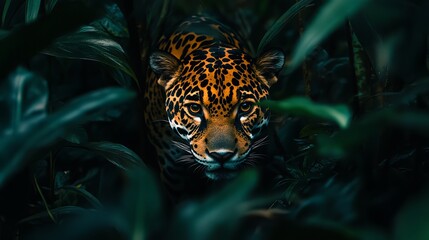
pixel 349 134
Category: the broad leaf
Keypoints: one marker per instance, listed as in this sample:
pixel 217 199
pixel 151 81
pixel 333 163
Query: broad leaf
pixel 5 9
pixel 50 4
pixel 84 193
pixel 217 216
pixel 344 141
pixel 26 144
pixel 300 106
pixel 31 10
pixel 15 47
pixel 117 154
pixel 91 44
pixel 409 93
pixel 413 220
pixel 113 22
pixel 57 212
pixel 25 98
pixel 280 23
pixel 75 223
pixel 142 205
pixel 329 17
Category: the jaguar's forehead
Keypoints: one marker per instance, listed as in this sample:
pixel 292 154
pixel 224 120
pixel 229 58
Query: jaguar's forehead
pixel 220 77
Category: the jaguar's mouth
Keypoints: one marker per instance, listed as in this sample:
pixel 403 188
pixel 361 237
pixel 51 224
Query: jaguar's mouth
pixel 221 173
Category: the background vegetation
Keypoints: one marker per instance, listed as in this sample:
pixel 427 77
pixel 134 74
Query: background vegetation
pixel 349 137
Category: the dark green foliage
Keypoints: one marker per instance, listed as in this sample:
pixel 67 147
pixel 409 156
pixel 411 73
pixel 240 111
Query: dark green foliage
pixel 349 150
pixel 300 106
pixel 280 23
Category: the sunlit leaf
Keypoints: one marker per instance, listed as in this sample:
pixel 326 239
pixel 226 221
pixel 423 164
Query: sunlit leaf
pixel 32 10
pixel 301 106
pixel 91 44
pixel 330 16
pixel 281 22
pixel 17 149
pixel 5 9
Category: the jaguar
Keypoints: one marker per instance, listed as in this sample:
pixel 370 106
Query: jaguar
pixel 201 101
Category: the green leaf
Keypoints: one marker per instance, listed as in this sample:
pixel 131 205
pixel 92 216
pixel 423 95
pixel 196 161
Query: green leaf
pixel 301 106
pixel 30 141
pixel 39 190
pixel 75 223
pixel 344 141
pixel 143 204
pixel 280 23
pixel 85 194
pixel 121 77
pixel 409 93
pixel 113 22
pixel 217 216
pixel 297 230
pixel 50 4
pixel 14 47
pixel 31 10
pixel 56 212
pixel 413 220
pixel 329 17
pixel 91 44
pixel 156 16
pixel 77 135
pixel 25 96
pixel 3 33
pixel 117 154
pixel 5 9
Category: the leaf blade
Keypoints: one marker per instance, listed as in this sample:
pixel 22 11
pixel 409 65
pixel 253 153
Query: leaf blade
pixel 5 9
pixel 322 25
pixel 16 148
pixel 91 44
pixel 302 106
pixel 281 22
pixel 32 10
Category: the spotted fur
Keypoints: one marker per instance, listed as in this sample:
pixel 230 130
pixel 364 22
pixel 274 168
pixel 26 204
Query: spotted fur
pixel 201 100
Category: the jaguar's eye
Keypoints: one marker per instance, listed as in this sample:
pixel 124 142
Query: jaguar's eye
pixel 194 108
pixel 246 107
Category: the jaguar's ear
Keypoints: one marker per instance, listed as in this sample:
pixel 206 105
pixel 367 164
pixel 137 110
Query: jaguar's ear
pixel 269 64
pixel 165 65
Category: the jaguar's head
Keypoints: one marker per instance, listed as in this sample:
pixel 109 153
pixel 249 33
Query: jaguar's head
pixel 211 102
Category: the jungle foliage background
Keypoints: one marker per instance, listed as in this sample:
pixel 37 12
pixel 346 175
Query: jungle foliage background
pixel 348 157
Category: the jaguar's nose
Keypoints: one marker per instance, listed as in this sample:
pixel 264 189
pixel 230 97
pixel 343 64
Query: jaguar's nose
pixel 221 156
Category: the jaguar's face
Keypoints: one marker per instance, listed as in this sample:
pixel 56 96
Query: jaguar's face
pixel 211 102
